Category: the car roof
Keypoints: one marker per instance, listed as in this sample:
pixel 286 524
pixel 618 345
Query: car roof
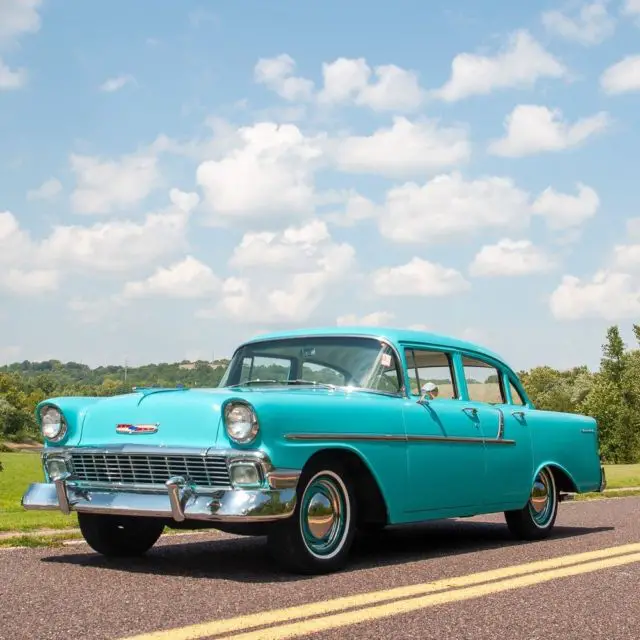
pixel 393 334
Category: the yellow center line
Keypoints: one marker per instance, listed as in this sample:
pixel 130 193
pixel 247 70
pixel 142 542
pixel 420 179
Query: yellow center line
pixel 406 606
pixel 263 618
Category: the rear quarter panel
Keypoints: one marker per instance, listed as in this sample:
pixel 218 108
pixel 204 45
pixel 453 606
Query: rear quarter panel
pixel 569 441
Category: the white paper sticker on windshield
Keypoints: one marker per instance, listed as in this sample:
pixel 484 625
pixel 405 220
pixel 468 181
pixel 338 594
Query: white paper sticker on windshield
pixel 386 360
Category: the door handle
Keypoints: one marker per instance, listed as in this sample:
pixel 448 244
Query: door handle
pixel 519 414
pixel 471 410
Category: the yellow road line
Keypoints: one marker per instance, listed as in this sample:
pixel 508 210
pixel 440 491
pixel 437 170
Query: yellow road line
pixel 406 606
pixel 243 623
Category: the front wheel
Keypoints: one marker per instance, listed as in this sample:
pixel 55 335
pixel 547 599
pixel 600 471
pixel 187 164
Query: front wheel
pixel 119 536
pixel 537 518
pixel 317 537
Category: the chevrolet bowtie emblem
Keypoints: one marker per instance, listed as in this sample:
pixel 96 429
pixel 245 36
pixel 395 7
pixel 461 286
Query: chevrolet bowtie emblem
pixel 137 428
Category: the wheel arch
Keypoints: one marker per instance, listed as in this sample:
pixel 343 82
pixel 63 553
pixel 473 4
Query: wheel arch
pixel 561 476
pixel 370 498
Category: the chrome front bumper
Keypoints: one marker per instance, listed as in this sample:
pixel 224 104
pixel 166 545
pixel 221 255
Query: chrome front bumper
pixel 271 498
pixel 179 502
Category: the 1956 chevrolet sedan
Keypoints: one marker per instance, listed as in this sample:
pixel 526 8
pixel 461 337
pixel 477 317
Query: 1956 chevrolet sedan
pixel 313 435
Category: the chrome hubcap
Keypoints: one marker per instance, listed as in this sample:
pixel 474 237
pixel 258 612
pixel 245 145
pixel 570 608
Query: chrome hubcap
pixel 542 499
pixel 324 515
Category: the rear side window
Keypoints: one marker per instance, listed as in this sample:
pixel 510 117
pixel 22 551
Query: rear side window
pixel 484 381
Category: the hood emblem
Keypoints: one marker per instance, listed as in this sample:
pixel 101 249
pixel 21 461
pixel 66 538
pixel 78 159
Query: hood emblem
pixel 137 428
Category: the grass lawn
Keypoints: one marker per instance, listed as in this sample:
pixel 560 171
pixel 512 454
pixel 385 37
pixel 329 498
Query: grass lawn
pixel 20 469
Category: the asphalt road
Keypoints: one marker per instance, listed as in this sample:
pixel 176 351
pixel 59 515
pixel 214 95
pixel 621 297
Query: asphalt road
pixel 437 571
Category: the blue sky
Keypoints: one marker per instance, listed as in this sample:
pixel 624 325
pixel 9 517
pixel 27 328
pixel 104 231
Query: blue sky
pixel 175 180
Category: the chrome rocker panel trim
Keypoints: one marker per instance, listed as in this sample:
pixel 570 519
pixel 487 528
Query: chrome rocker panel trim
pixel 178 503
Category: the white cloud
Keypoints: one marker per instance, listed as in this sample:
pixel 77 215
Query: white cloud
pixel 562 210
pixel 520 64
pixel 17 17
pixel 10 78
pixel 592 25
pixel 104 186
pixel 534 129
pixel 29 283
pixel 374 319
pixel 631 7
pixel 623 76
pixel 271 172
pixel 15 243
pixel 292 248
pixel 626 256
pixel 406 148
pixel 249 301
pixel 355 209
pixel 277 74
pixel 347 81
pixel 121 245
pixel 188 278
pixel 418 278
pixel 116 83
pixel 510 258
pixel 48 190
pixel 448 205
pixel 609 295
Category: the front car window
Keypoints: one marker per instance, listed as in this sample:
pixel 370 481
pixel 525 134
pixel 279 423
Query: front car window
pixel 431 366
pixel 360 362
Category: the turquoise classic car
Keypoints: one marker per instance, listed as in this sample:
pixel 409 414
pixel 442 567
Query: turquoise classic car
pixel 311 436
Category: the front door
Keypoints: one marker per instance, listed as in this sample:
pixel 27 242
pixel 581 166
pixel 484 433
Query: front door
pixel 445 449
pixel 503 424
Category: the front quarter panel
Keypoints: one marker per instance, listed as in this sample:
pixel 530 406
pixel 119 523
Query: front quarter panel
pixel 331 416
pixel 74 409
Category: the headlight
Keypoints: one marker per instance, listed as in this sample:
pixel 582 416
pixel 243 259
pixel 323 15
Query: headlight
pixel 241 422
pixel 52 424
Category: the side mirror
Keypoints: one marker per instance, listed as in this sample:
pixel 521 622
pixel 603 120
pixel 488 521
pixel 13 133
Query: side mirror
pixel 428 390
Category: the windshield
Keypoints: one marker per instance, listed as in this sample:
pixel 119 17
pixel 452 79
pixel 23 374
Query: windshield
pixel 365 363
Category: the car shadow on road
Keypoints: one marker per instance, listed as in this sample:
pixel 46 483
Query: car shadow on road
pixel 245 559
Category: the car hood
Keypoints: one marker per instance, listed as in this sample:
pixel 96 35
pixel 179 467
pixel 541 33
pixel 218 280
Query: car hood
pixel 192 417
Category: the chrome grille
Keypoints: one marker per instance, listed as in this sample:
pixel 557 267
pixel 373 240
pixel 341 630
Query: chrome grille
pixel 133 468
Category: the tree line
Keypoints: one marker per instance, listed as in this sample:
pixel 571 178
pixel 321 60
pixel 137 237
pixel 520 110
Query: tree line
pixel 611 394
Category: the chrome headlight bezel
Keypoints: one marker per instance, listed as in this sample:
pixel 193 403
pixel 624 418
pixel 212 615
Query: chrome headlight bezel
pixel 241 415
pixel 47 417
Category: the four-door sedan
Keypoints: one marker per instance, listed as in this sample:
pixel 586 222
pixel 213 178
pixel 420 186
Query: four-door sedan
pixel 310 436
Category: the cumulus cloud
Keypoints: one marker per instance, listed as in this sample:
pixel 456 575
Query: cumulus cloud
pixel 404 149
pixel 106 186
pixel 622 77
pixel 17 18
pixel 627 257
pixel 448 205
pixel 278 75
pixel 534 129
pixel 563 210
pixel 48 190
pixel 349 81
pixel 510 258
pixel 293 248
pixel 29 283
pixel 270 171
pixel 609 294
pixel 520 64
pixel 592 24
pixel 116 83
pixel 418 278
pixel 188 278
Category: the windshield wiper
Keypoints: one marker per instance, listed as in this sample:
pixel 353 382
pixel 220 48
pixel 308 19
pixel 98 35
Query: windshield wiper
pixel 326 385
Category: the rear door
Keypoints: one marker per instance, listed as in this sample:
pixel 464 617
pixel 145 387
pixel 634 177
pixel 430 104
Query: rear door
pixel 508 447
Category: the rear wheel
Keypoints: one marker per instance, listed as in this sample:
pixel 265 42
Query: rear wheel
pixel 537 518
pixel 318 536
pixel 119 536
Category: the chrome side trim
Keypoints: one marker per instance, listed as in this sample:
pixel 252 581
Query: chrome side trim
pixel 364 437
